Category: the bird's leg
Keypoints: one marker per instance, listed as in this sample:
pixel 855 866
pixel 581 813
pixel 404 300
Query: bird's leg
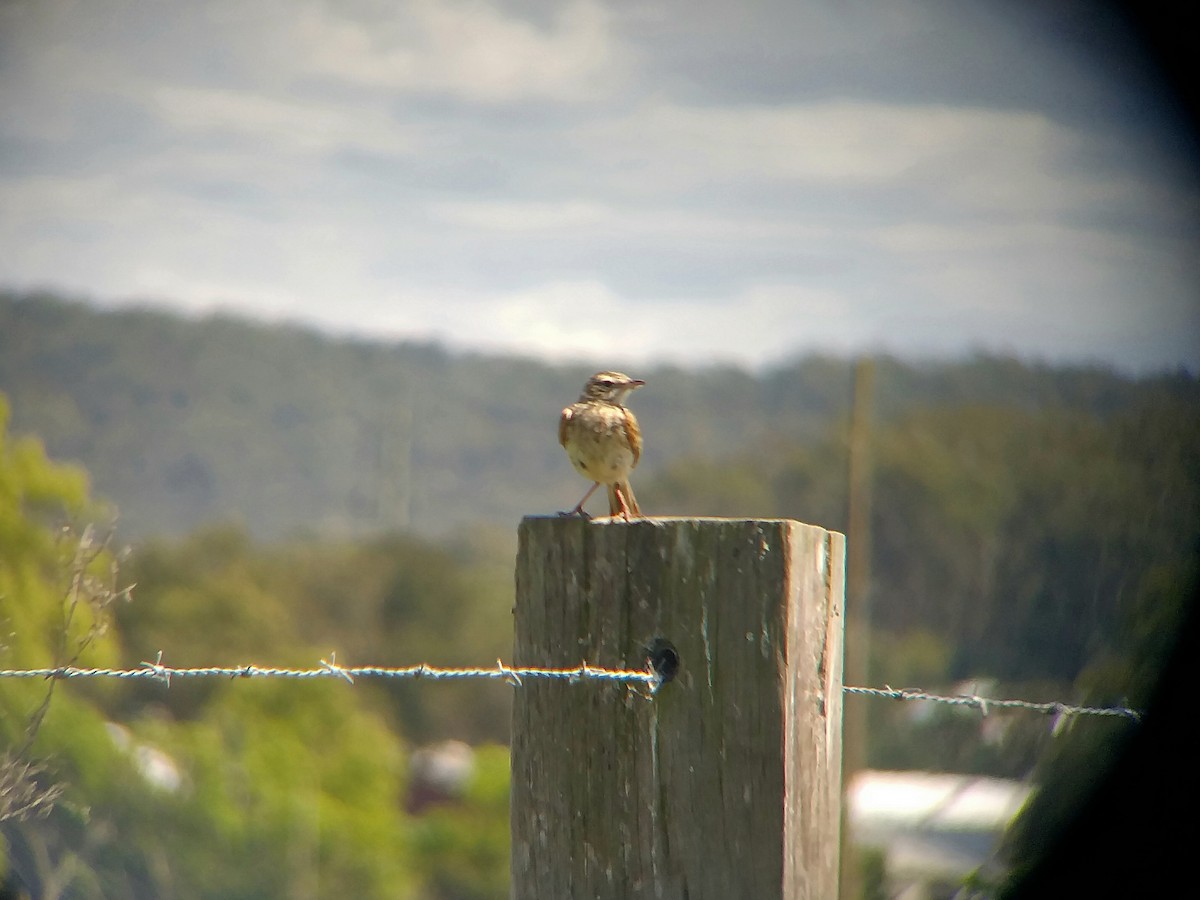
pixel 578 510
pixel 630 500
pixel 624 505
pixel 622 502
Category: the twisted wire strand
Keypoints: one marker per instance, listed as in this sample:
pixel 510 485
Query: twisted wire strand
pixel 985 704
pixel 330 669
pixel 517 675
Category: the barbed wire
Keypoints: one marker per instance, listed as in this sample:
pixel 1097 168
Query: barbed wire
pixel 986 704
pixel 517 675
pixel 329 668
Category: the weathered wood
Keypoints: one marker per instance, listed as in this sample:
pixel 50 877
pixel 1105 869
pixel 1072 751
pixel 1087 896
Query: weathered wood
pixel 727 782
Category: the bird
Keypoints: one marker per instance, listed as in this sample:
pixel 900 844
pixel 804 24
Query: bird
pixel 603 440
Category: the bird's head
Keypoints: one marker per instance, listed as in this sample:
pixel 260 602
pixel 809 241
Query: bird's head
pixel 611 387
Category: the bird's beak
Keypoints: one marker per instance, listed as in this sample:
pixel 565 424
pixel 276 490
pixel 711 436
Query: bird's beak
pixel 634 383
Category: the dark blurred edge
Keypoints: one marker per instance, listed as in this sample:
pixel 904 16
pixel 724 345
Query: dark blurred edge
pixel 1165 31
pixel 1135 834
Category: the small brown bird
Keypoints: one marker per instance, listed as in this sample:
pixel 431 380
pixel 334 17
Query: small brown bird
pixel 603 441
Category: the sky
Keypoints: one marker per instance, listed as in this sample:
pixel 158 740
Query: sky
pixel 685 181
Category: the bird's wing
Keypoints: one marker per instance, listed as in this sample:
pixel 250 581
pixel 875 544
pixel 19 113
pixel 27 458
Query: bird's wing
pixel 634 435
pixel 563 420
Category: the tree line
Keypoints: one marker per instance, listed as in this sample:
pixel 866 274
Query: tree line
pixel 1034 532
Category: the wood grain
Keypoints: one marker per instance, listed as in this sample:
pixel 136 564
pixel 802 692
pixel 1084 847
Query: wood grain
pixel 727 782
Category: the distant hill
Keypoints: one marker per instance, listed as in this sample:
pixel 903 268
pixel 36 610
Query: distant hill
pixel 184 422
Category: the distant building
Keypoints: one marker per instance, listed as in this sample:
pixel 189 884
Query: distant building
pixel 156 767
pixel 438 774
pixel 932 829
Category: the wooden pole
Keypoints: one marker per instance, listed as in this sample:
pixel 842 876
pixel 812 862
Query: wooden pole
pixel 727 782
pixel 858 572
pixel 858 600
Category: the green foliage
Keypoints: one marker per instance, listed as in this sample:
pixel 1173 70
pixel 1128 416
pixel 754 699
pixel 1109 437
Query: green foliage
pixel 872 873
pixel 188 422
pixel 1040 552
pixel 55 600
pixel 54 607
pixel 463 848
pixel 1033 533
pixel 33 493
pixel 223 789
pixel 301 787
pixel 219 599
pixel 1083 750
pixel 1015 538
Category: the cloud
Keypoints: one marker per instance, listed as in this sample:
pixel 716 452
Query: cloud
pixel 568 320
pixel 664 146
pixel 517 215
pixel 309 127
pixel 724 182
pixel 467 49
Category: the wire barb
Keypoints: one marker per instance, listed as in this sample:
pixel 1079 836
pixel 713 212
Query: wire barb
pixel 329 668
pixel 508 674
pixel 333 668
pixel 649 678
pixel 987 704
pixel 157 670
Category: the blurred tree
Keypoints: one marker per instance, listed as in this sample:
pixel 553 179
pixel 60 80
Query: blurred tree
pixel 1015 538
pixel 1010 548
pixel 269 790
pixel 57 585
pixel 463 847
pixel 1084 750
pixel 188 422
pixel 56 588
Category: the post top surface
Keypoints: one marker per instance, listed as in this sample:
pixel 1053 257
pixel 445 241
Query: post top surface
pixel 671 522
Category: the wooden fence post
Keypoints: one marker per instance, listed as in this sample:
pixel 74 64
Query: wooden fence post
pixel 727 783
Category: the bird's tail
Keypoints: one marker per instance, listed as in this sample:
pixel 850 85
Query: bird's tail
pixel 621 501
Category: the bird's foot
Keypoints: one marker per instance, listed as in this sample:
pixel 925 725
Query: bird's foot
pixel 577 511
